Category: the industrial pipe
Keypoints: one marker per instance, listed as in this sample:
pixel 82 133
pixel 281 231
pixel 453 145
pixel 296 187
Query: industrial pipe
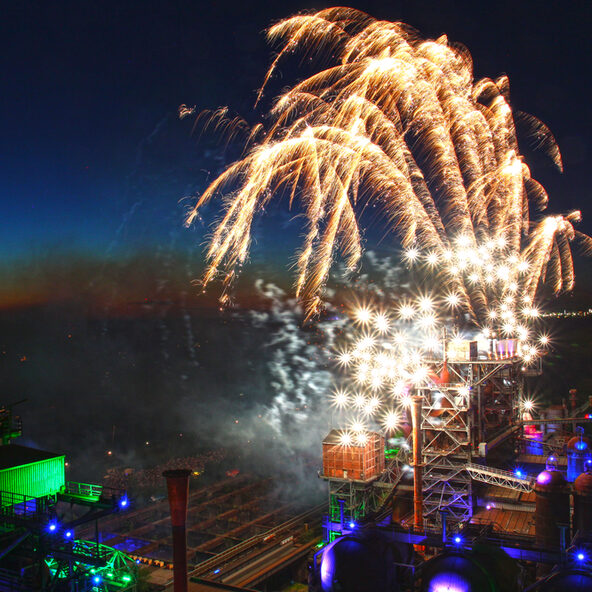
pixel 417 402
pixel 178 490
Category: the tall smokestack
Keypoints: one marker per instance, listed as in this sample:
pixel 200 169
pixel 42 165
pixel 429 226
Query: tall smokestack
pixel 417 402
pixel 178 489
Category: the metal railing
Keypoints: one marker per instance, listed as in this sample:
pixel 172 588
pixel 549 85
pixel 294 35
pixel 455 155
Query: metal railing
pixel 89 490
pixel 18 505
pixel 495 476
pixel 93 492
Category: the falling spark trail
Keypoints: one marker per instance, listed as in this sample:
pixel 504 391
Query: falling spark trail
pixel 398 122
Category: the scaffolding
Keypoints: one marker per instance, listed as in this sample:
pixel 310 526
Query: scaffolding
pixel 446 428
pixel 462 418
pixel 470 407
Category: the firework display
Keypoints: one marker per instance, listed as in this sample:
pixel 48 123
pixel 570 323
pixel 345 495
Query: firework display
pixel 397 123
pixel 395 349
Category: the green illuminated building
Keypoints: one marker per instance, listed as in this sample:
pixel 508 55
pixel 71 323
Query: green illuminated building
pixel 38 547
pixel 30 472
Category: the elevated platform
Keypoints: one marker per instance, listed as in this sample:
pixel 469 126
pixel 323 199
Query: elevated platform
pixel 88 494
pixel 506 521
pixel 541 459
pixel 499 477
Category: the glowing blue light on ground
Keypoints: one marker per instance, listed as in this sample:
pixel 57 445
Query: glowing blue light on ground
pixel 52 526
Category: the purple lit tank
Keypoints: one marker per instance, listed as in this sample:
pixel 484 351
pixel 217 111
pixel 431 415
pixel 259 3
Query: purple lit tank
pixel 552 508
pixel 571 580
pixel 358 564
pixel 486 570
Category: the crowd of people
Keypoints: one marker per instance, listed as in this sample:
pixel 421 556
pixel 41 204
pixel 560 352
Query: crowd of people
pixel 129 477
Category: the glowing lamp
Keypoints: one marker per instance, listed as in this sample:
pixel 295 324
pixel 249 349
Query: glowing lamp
pixel 352 524
pixel 97 579
pixel 123 502
pixel 544 478
pixel 457 540
pixel 68 534
pixel 52 526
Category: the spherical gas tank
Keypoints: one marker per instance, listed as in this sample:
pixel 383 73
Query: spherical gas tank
pixel 358 564
pixel 569 580
pixel 579 444
pixel 552 507
pixel 490 571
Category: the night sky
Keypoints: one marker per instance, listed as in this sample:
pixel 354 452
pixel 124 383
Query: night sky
pixel 96 165
pixel 90 92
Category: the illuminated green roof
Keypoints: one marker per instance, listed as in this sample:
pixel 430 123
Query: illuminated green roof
pixel 14 455
pixel 30 472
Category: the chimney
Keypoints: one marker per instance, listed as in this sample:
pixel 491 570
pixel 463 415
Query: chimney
pixel 417 402
pixel 178 489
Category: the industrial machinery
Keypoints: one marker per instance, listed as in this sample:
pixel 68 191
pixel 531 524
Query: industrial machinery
pixel 472 408
pixel 39 514
pixel 464 489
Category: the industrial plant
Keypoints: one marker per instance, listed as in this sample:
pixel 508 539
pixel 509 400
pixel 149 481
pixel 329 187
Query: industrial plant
pixel 475 489
pixel 41 516
pixel 478 490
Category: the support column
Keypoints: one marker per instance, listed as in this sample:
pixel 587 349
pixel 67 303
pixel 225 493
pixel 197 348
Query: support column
pixel 178 490
pixel 417 402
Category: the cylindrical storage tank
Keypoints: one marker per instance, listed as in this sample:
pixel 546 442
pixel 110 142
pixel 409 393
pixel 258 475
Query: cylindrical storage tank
pixel 552 508
pixel 487 570
pixel 582 518
pixel 569 580
pixel 361 562
pixel 578 451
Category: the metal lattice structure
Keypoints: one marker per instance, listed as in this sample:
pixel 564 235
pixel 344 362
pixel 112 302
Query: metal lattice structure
pixel 460 418
pixel 499 477
pixel 349 501
pixel 446 429
pixel 113 571
pixel 471 407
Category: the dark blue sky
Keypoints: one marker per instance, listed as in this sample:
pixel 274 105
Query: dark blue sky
pixel 94 160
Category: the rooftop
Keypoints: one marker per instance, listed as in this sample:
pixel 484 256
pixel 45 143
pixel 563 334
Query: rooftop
pixel 14 455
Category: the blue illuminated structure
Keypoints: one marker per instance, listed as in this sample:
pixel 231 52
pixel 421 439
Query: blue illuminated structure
pixel 578 453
